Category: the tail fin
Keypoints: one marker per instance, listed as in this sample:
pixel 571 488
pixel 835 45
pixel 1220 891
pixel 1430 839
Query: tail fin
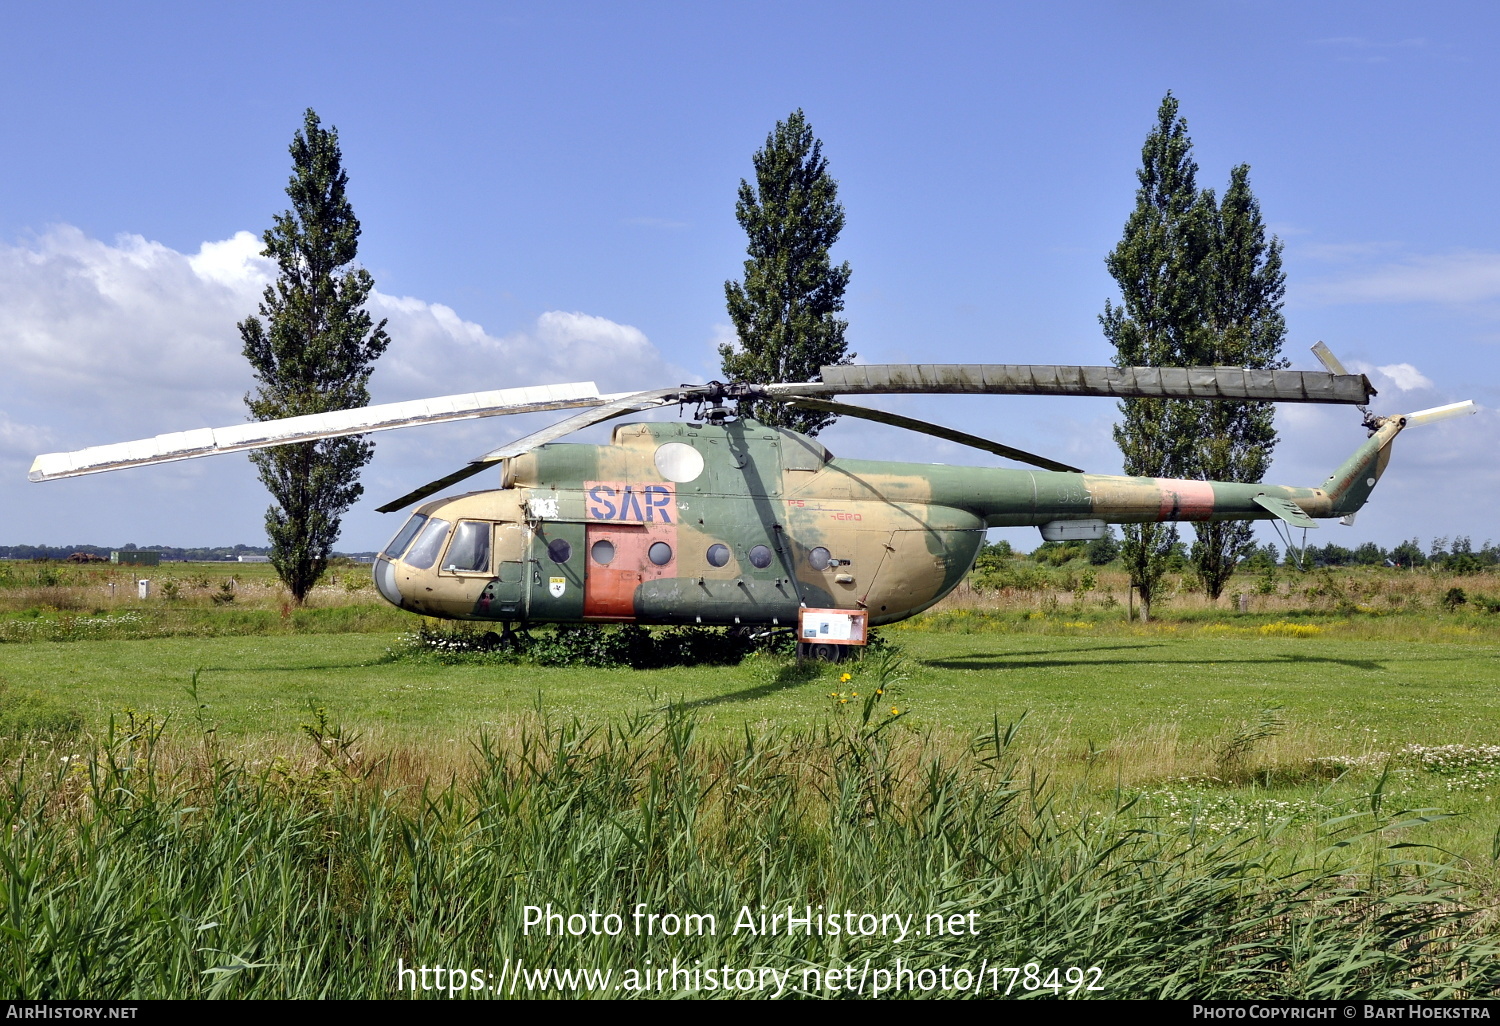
pixel 1350 486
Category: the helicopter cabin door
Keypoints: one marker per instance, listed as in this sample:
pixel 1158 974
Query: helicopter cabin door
pixel 508 590
pixel 620 557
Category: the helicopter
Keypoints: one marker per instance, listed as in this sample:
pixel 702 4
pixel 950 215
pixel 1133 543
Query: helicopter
pixel 722 520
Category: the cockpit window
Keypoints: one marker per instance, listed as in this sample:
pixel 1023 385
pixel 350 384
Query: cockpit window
pixel 404 536
pixel 470 551
pixel 429 543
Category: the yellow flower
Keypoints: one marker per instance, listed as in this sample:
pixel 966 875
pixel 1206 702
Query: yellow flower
pixel 895 711
pixel 880 691
pixel 846 678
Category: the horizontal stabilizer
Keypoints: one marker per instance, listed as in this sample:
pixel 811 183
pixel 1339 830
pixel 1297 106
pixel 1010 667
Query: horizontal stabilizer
pixel 186 445
pixel 1287 510
pixel 1238 383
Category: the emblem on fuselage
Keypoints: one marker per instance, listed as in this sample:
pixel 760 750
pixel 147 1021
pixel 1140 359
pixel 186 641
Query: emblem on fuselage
pixel 557 585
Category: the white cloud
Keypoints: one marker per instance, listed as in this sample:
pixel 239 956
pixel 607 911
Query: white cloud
pixel 110 327
pixel 107 342
pixel 1405 377
pixel 436 352
pixel 1451 278
pixel 236 263
pixel 1400 377
pixel 122 332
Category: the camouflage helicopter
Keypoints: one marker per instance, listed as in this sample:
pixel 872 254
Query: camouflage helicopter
pixel 723 520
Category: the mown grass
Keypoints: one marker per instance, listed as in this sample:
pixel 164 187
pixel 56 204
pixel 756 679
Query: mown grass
pixel 151 867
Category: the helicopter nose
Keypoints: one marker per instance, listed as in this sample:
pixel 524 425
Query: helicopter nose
pixel 385 581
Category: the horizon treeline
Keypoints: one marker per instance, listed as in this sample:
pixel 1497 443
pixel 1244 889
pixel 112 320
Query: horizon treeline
pixel 211 554
pixel 1453 555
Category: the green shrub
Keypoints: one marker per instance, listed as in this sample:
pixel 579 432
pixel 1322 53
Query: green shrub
pixel 597 645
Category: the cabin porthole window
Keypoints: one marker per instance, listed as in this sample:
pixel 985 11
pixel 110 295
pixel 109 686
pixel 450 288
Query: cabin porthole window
pixel 660 553
pixel 819 558
pixel 760 557
pixel 603 552
pixel 559 551
pixel 718 554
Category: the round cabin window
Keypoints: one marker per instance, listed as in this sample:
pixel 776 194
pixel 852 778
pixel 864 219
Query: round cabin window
pixel 760 557
pixel 603 552
pixel 660 553
pixel 718 554
pixel 818 558
pixel 559 551
pixel 677 461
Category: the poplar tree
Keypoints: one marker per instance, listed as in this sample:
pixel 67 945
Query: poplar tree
pixel 313 354
pixel 1159 265
pixel 784 312
pixel 1245 329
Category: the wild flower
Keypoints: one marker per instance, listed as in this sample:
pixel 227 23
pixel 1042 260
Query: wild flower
pixel 1291 630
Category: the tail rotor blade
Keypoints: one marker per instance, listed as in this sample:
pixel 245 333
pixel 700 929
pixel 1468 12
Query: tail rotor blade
pixel 1441 413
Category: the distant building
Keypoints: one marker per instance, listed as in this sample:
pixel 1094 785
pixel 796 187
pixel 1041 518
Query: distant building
pixel 255 559
pixel 135 557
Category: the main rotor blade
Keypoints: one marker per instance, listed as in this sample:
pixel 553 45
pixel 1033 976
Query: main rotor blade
pixel 1327 359
pixel 616 406
pixel 937 430
pixel 1236 383
pixel 186 445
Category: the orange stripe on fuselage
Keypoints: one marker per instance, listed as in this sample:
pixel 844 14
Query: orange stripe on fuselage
pixel 1185 500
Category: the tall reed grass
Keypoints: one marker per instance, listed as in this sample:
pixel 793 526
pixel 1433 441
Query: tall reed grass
pixel 149 865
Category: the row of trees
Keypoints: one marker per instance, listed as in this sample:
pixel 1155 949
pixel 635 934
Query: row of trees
pixel 204 554
pixel 1200 284
pixel 1459 556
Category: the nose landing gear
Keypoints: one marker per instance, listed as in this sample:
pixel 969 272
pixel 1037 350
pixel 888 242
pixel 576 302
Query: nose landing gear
pixel 508 640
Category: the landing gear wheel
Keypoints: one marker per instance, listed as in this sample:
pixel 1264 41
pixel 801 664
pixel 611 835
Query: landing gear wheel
pixel 507 640
pixel 822 651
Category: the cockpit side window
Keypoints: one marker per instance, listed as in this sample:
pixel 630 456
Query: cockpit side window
pixel 429 543
pixel 470 549
pixel 404 536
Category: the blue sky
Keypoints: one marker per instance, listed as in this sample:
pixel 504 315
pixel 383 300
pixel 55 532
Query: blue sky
pixel 547 194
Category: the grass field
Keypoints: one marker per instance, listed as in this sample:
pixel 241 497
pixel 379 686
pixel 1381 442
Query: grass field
pixel 1290 750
